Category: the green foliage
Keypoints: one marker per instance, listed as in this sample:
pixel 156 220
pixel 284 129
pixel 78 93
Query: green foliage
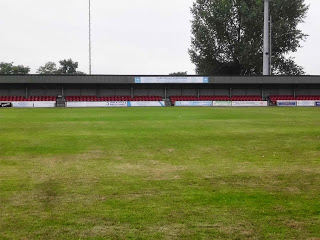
pixel 178 74
pixel 228 36
pixel 9 68
pixel 160 173
pixel 48 68
pixel 67 67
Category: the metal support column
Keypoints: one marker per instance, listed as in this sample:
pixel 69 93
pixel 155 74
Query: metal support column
pixel 165 92
pixel 270 46
pixel 98 92
pixel 90 50
pixel 266 47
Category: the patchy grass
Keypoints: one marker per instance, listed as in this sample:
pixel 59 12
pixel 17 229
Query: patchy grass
pixel 169 173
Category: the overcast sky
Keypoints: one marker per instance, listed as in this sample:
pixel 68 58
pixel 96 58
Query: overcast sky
pixel 129 36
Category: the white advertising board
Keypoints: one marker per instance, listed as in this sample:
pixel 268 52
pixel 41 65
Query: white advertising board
pixel 249 103
pixel 76 104
pixel 96 104
pixel 36 104
pixel 22 104
pixel 49 104
pixel 146 104
pixel 306 103
pixel 172 79
pixel 117 104
pixel 193 103
pixel 222 103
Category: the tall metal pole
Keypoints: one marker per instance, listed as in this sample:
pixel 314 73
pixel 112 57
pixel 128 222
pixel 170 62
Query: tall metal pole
pixel 266 57
pixel 270 46
pixel 90 58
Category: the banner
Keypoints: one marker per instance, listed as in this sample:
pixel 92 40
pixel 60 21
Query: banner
pixel 222 103
pixel 146 104
pixel 22 104
pixel 286 103
pixel 76 104
pixel 6 104
pixel 193 103
pixel 117 104
pixel 250 104
pixel 35 104
pixel 172 79
pixel 317 104
pixel 96 104
pixel 305 103
pixel 107 104
pixel 44 104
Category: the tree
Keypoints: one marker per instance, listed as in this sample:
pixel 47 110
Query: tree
pixel 48 68
pixel 228 36
pixel 178 73
pixel 9 68
pixel 69 67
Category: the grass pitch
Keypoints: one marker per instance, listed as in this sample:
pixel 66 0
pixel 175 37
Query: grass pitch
pixel 160 173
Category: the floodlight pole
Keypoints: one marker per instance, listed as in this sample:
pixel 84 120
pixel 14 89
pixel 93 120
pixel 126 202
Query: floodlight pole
pixel 90 58
pixel 266 46
pixel 270 46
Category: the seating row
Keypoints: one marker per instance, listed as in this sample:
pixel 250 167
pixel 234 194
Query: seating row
pixel 79 98
pixel 30 99
pixel 113 98
pixel 173 99
pixel 274 99
pixel 215 98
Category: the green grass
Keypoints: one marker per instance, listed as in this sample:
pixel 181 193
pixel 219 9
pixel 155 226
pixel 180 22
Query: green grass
pixel 160 173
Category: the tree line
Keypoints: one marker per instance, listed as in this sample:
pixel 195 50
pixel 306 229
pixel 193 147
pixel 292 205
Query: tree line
pixel 66 67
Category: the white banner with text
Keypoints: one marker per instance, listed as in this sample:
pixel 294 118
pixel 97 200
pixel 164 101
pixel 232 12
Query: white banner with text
pixel 193 103
pixel 96 104
pixel 146 104
pixel 249 103
pixel 44 104
pixel 306 103
pixel 172 79
pixel 222 103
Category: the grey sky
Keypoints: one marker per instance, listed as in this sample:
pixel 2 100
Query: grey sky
pixel 129 36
